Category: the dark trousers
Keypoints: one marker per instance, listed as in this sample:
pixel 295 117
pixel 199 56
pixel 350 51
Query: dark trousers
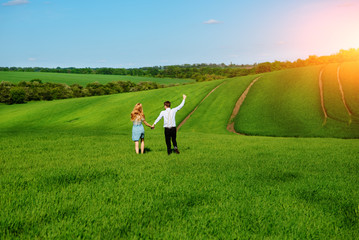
pixel 170 133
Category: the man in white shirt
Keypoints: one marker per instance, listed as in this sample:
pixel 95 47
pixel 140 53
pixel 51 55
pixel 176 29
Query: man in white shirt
pixel 169 124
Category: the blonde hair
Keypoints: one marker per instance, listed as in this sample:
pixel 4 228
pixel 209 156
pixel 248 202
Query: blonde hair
pixel 137 112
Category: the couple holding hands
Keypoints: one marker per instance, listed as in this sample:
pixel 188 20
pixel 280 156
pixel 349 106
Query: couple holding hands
pixel 169 124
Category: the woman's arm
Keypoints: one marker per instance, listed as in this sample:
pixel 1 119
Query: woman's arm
pixel 146 123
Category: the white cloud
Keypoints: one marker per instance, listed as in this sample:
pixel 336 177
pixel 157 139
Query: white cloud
pixel 211 21
pixel 15 2
pixel 31 59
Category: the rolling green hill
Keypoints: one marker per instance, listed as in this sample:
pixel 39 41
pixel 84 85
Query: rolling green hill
pixel 104 112
pixel 213 114
pixel 81 79
pixel 349 73
pixel 287 103
pixel 68 167
pixel 332 96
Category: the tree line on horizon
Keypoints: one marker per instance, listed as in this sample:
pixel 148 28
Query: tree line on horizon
pixel 36 90
pixel 201 72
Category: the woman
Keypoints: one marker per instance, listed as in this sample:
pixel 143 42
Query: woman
pixel 138 132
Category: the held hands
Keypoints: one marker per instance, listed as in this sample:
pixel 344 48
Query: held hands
pixel 153 126
pixel 184 96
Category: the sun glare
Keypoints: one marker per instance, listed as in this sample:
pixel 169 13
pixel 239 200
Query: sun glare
pixel 330 29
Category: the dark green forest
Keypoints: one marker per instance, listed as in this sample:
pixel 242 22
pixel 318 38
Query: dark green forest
pixel 35 90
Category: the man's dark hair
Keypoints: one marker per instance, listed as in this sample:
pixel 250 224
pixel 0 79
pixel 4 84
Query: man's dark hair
pixel 167 104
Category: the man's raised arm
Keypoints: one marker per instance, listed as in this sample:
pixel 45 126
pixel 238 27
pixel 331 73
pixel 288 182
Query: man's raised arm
pixel 182 103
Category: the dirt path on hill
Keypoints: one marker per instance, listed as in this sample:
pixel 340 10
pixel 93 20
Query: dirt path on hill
pixel 343 96
pixel 189 115
pixel 230 126
pixel 322 96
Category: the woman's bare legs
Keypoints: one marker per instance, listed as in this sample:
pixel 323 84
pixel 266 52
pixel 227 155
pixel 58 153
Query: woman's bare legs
pixel 136 147
pixel 142 145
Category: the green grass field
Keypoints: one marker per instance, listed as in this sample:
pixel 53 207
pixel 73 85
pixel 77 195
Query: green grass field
pixel 213 114
pixel 287 103
pixel 349 73
pixel 332 96
pixel 68 168
pixel 82 79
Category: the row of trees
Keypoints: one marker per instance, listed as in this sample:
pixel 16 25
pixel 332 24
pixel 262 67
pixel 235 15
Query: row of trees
pixel 341 56
pixel 35 90
pixel 199 73
pixel 202 72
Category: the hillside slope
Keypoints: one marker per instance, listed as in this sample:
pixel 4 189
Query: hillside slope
pixel 102 113
pixel 287 103
pixel 213 114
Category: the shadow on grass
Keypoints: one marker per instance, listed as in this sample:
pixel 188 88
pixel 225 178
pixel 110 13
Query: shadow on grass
pixel 63 178
pixel 276 177
pixel 146 150
pixel 347 212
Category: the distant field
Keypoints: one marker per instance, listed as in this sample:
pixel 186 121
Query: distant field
pixel 287 103
pixel 82 79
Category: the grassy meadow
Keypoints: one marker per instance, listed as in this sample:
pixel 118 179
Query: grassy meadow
pixel 68 167
pixel 287 103
pixel 82 79
pixel 213 114
pixel 349 73
pixel 332 96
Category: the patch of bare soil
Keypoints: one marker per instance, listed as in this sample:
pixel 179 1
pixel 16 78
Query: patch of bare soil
pixel 230 126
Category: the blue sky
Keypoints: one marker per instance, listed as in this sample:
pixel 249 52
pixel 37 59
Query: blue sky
pixel 138 33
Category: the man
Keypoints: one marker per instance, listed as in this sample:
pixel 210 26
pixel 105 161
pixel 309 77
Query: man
pixel 169 124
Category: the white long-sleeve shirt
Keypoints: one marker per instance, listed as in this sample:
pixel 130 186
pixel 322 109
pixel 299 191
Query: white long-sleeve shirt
pixel 169 116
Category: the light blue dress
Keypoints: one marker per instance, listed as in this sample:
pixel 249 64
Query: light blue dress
pixel 138 130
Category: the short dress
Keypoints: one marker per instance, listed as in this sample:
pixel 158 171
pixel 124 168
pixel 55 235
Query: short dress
pixel 138 130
